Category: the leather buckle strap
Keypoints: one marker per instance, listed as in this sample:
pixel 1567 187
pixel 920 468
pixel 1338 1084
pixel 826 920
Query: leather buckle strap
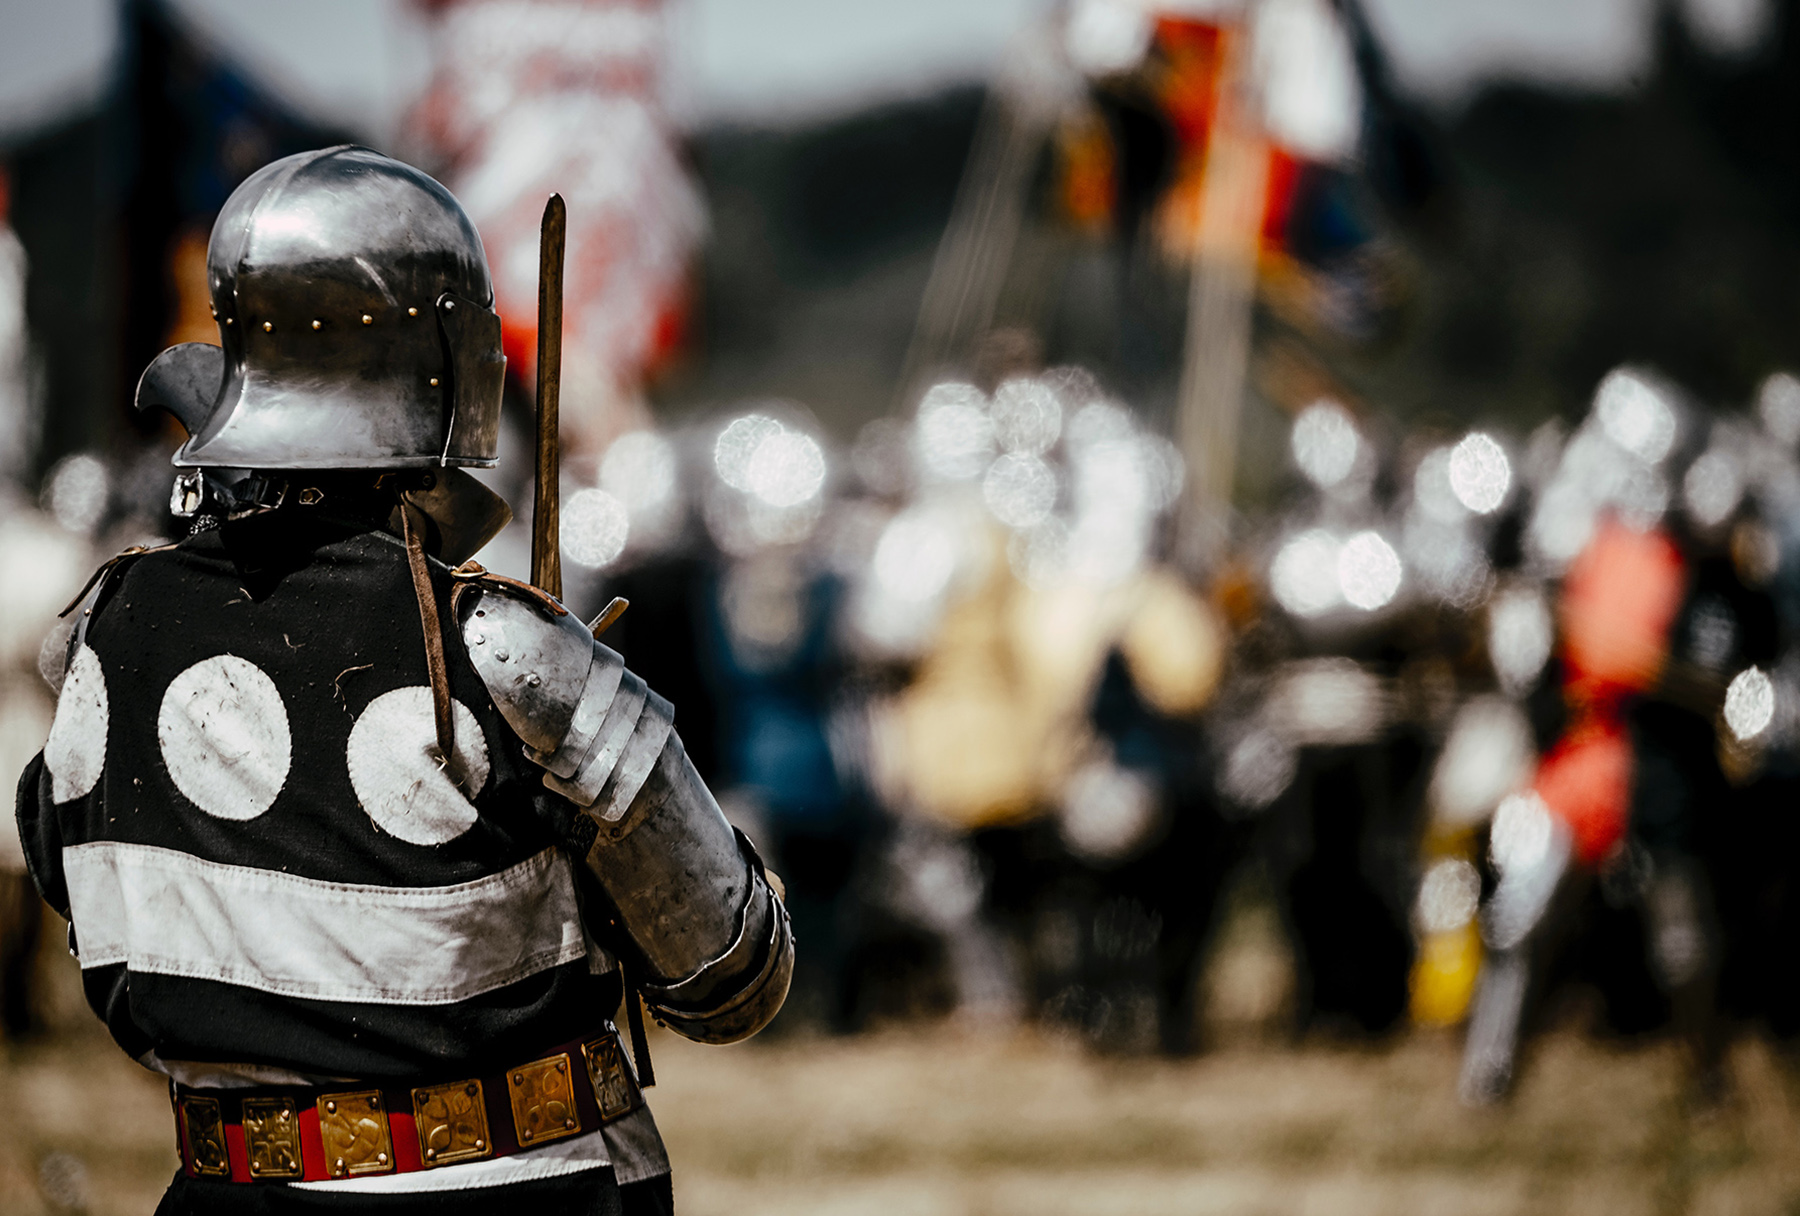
pixel 296 1134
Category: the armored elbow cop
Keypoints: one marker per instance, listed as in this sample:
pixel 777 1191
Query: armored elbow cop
pixel 690 895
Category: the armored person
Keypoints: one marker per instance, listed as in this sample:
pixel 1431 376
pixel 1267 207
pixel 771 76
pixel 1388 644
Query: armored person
pixel 361 845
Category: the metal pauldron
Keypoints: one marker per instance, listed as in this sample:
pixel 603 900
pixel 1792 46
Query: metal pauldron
pixel 689 891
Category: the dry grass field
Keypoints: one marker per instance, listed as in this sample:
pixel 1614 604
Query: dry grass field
pixel 928 1124
pixel 945 1120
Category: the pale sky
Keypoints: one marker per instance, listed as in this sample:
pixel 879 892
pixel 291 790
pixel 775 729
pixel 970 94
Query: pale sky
pixel 358 62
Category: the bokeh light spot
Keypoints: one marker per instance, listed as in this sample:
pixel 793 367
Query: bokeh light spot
pixel 76 491
pixel 1449 896
pixel 1749 704
pixel 915 557
pixel 1325 443
pixel 1778 405
pixel 786 469
pixel 1368 571
pixel 1520 835
pixel 1027 416
pixel 1480 474
pixel 1713 487
pixel 1020 490
pixel 595 526
pixel 954 436
pixel 1635 416
pixel 737 443
pixel 1432 491
pixel 1304 576
pixel 1519 637
pixel 639 470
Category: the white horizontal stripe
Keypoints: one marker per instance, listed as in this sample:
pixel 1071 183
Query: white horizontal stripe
pixel 164 912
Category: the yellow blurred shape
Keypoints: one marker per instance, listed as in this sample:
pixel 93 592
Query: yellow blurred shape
pixel 997 717
pixel 1174 646
pixel 1443 977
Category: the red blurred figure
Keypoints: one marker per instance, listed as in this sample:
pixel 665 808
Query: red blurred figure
pixel 1618 604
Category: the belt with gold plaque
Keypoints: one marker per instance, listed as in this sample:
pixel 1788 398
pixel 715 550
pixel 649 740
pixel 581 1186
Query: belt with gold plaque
pixel 295 1134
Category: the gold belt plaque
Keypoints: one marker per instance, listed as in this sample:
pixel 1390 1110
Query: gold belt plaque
pixel 543 1100
pixel 205 1128
pixel 614 1086
pixel 354 1127
pixel 452 1123
pixel 272 1138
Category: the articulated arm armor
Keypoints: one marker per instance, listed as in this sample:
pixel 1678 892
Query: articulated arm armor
pixel 689 891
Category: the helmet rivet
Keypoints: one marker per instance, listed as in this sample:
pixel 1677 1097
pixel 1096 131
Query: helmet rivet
pixel 318 325
pixel 412 312
pixel 434 382
pixel 367 319
pixel 268 327
pixel 449 305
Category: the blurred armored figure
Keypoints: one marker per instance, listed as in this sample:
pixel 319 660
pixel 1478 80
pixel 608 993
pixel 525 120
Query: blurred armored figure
pixel 1616 840
pixel 311 873
pixel 1040 747
pixel 1335 748
pixel 1743 497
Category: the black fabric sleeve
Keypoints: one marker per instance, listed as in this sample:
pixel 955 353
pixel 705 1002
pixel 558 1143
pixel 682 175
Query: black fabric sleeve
pixel 41 836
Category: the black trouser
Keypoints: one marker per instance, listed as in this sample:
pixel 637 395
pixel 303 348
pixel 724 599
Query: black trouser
pixel 588 1193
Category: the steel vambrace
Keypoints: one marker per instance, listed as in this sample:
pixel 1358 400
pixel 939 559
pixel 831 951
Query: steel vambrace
pixel 690 893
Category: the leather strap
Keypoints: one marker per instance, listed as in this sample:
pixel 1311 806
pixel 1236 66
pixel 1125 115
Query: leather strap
pixel 472 573
pixel 91 592
pixel 412 522
pixel 106 568
pixel 634 1019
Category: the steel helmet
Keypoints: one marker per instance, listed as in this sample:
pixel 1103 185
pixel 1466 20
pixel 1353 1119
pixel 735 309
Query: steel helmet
pixel 356 322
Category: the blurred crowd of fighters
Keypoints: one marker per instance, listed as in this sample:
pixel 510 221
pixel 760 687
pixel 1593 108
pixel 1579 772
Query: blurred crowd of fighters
pixel 1481 713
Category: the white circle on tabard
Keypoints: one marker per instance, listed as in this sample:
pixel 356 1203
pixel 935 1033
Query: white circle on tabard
pixel 396 771
pixel 75 752
pixel 224 736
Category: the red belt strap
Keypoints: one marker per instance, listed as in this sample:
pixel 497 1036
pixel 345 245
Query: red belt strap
pixel 300 1134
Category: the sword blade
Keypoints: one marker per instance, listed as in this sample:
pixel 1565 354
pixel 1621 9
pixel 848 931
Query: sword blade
pixel 546 547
